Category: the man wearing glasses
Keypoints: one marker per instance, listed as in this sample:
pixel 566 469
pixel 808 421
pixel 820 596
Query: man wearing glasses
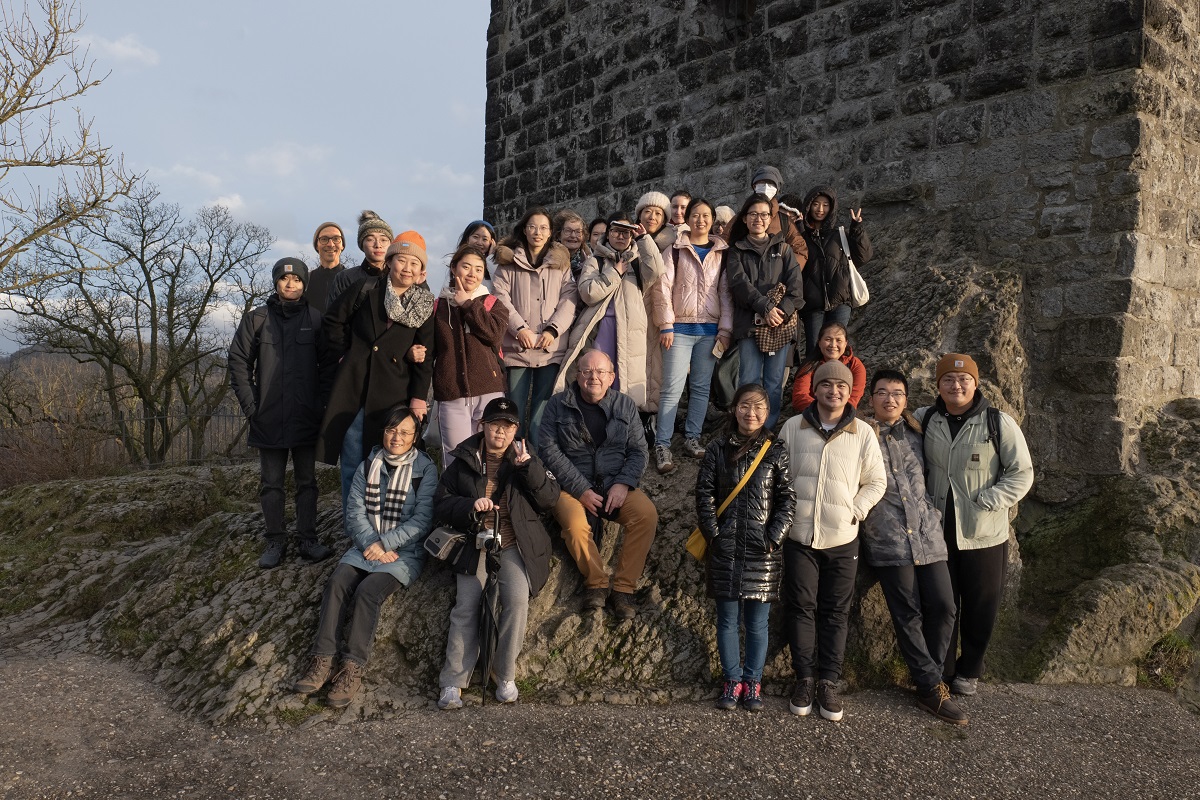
pixel 902 540
pixel 329 242
pixel 592 441
pixel 977 467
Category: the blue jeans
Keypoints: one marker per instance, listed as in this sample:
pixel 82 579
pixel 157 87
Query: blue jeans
pixel 352 456
pixel 755 614
pixel 686 351
pixel 768 370
pixel 813 320
pixel 530 388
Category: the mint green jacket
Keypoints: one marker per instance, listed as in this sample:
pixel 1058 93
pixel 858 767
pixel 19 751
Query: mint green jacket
pixel 983 490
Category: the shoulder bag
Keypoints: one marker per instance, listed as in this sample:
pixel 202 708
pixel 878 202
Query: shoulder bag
pixel 859 294
pixel 696 545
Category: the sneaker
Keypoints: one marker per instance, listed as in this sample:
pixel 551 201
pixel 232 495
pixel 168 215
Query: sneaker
pixel 939 704
pixel 507 692
pixel 345 684
pixel 272 557
pixel 318 672
pixel 622 605
pixel 594 598
pixel 662 459
pixel 693 448
pixel 802 697
pixel 312 550
pixel 828 701
pixel 731 691
pixel 451 698
pixel 752 696
pixel 964 686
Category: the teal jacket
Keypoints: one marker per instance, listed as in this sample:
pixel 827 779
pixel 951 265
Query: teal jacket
pixel 984 491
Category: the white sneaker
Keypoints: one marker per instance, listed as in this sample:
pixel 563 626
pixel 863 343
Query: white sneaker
pixel 451 698
pixel 507 692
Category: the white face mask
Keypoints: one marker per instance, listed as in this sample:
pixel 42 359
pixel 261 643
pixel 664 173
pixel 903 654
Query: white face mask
pixel 766 188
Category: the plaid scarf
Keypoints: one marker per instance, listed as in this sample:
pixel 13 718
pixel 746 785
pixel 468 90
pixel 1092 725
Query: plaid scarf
pixel 385 515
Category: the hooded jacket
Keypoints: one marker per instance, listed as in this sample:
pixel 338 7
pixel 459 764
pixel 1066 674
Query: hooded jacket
pixel 738 566
pixel 827 274
pixel 904 528
pixel 752 274
pixel 531 491
pixel 838 477
pixel 280 370
pixel 537 298
pixel 600 285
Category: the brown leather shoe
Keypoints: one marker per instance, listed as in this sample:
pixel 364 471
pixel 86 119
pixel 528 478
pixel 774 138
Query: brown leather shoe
pixel 622 605
pixel 345 684
pixel 318 672
pixel 594 598
pixel 941 705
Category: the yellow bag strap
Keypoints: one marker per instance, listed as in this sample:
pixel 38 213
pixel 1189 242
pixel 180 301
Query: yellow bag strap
pixel 753 466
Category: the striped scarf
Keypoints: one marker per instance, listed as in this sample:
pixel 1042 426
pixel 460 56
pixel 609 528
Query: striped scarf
pixel 386 515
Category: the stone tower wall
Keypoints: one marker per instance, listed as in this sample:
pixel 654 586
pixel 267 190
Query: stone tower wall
pixel 1062 138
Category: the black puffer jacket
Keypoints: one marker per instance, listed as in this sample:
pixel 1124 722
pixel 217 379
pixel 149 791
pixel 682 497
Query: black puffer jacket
pixel 531 492
pixel 827 274
pixel 739 566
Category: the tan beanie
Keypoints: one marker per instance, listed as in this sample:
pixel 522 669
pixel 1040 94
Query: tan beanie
pixel 956 362
pixel 322 227
pixel 835 370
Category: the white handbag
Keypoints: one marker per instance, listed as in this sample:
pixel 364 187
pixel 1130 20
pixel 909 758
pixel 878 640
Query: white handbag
pixel 859 293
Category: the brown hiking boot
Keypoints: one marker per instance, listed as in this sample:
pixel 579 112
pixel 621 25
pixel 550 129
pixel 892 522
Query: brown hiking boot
pixel 345 684
pixel 622 605
pixel 595 598
pixel 939 703
pixel 319 669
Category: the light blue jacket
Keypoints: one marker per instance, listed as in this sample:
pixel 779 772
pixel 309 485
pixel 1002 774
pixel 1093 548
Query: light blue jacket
pixel 406 539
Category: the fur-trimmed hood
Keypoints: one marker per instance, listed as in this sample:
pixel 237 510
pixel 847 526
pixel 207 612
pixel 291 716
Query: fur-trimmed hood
pixel 509 253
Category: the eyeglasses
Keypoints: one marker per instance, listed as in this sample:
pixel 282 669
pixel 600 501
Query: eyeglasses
pixel 884 394
pixel 757 215
pixel 329 240
pixel 595 373
pixel 537 229
pixel 399 434
pixel 746 408
pixel 949 380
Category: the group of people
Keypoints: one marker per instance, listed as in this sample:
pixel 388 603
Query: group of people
pixel 556 359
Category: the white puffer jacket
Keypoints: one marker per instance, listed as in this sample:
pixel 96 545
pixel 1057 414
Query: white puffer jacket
pixel 838 480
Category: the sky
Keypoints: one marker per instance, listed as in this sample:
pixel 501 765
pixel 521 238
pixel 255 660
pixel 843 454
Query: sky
pixel 293 114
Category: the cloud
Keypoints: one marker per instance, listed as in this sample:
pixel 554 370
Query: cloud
pixel 426 173
pixel 125 50
pixel 291 247
pixel 233 202
pixel 285 158
pixel 208 180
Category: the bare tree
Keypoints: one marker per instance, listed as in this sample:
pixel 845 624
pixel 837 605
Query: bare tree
pixel 153 324
pixel 42 69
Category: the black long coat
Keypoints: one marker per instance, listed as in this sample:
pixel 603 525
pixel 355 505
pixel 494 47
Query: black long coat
pixel 531 491
pixel 739 566
pixel 374 374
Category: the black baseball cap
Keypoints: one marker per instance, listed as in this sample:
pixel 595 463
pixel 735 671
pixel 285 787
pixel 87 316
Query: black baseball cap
pixel 501 408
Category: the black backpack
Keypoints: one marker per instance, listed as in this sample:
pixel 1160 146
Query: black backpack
pixel 993 428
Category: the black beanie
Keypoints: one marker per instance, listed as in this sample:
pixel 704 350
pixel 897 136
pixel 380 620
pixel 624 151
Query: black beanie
pixel 293 265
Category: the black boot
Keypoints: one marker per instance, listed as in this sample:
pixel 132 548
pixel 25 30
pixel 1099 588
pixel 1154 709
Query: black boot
pixel 312 550
pixel 276 550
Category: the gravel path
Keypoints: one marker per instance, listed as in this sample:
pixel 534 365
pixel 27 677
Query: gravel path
pixel 81 726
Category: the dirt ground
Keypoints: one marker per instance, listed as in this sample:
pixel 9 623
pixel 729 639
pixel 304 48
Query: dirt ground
pixel 83 727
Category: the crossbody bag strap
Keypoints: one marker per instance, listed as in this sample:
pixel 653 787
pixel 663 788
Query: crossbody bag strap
pixel 745 478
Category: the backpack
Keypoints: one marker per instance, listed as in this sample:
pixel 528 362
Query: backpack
pixel 993 428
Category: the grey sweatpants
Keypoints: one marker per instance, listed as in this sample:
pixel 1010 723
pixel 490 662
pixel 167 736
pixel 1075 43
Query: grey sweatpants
pixel 462 645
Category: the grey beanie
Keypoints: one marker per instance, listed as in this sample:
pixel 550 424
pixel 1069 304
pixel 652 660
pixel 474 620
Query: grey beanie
pixel 835 370
pixel 767 173
pixel 369 221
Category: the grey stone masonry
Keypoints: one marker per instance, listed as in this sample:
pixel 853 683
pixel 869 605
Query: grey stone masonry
pixel 1062 135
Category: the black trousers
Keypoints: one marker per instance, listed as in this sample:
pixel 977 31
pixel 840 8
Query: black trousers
pixel 921 602
pixel 273 463
pixel 818 587
pixel 364 592
pixel 977 578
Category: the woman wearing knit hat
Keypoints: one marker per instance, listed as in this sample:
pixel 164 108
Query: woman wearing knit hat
pixel 533 279
pixel 651 213
pixel 372 328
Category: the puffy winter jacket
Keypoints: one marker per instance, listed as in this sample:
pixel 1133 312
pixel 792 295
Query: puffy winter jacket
pixel 752 275
pixel 904 528
pixel 531 491
pixel 280 370
pixel 571 454
pixel 838 477
pixel 827 274
pixel 537 298
pixel 986 483
pixel 693 292
pixel 739 566
pixel 407 539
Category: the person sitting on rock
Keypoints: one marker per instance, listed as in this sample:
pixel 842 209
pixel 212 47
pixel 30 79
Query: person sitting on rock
pixel 491 473
pixel 902 540
pixel 977 466
pixel 838 475
pixel 595 446
pixel 281 373
pixel 833 344
pixel 389 514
